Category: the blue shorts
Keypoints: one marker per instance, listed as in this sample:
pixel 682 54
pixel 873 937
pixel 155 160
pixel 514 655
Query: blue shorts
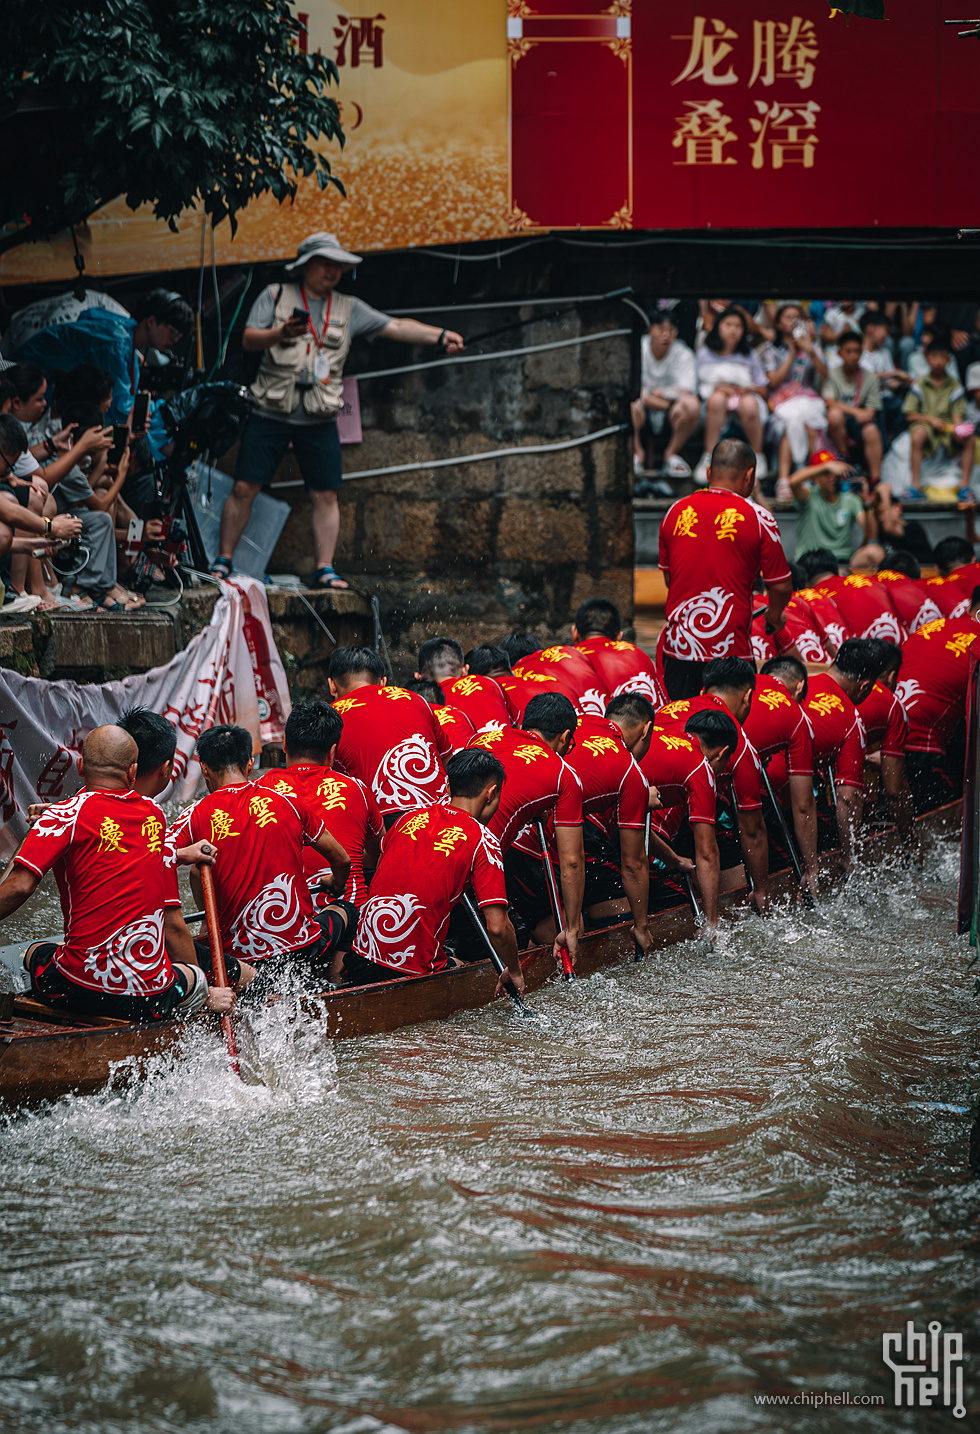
pixel 264 443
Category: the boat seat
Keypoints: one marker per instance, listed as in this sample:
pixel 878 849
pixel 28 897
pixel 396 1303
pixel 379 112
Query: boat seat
pixel 32 1009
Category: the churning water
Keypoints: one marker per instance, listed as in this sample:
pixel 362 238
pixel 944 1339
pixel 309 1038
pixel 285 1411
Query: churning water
pixel 704 1181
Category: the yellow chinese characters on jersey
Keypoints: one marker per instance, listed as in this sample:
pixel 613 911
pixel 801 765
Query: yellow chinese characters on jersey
pixel 221 825
pixel 685 525
pixel 854 581
pixel 726 523
pixel 529 753
pixel 674 743
pixel 930 629
pixel 152 829
pixel 261 809
pixel 961 642
pixel 598 745
pixel 110 836
pixel 415 824
pixel 535 676
pixel 343 705
pixel 283 788
pixel 487 739
pixel 465 686
pixel 395 693
pixel 675 710
pixel 331 793
pixel 825 703
pixel 772 700
pixel 448 839
pixel 443 716
pixel 552 654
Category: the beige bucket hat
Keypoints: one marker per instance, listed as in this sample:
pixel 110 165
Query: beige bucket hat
pixel 322 246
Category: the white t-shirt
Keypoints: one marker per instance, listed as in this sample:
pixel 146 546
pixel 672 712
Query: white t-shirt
pixel 880 361
pixel 677 369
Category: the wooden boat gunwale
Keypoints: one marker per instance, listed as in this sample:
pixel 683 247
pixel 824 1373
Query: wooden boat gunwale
pixel 42 1059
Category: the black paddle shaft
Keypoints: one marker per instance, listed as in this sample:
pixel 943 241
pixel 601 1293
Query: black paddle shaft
pixel 498 964
pixel 788 839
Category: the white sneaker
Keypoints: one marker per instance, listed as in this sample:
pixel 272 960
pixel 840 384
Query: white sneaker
pixel 784 493
pixel 675 467
pixel 761 466
pixel 701 471
pixel 639 466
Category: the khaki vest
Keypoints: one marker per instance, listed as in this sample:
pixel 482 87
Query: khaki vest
pixel 286 369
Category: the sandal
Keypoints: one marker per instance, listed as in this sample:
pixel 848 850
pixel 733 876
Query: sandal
pixel 328 577
pixel 222 567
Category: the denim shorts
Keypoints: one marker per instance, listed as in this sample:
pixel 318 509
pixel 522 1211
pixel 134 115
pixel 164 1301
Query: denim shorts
pixel 316 446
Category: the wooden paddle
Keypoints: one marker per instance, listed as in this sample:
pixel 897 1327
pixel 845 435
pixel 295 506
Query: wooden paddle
pixel 556 911
pixel 498 964
pixel 218 960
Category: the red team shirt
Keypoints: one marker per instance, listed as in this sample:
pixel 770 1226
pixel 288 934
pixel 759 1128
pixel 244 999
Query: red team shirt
pixel 623 667
pixel 613 787
pixel 574 675
pixel 107 852
pixel 439 851
pixel 348 811
pixel 480 699
pixel 677 767
pixel 742 768
pixel 966 579
pixel 264 904
pixel 912 601
pixel 778 724
pixel 934 681
pixel 948 596
pixel 537 782
pixel 885 721
pixel 838 735
pixel 456 725
pixel 713 544
pixel 799 632
pixel 824 612
pixel 518 691
pixel 392 742
pixel 866 606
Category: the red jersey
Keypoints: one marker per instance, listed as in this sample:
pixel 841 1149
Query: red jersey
pixel 428 860
pixel 456 725
pixel 799 633
pixel 948 596
pixel 778 724
pixel 677 767
pixel 575 676
pixel 612 784
pixel 866 606
pixel 885 721
pixel 912 601
pixel 623 667
pixel 348 811
pixel 742 768
pixel 966 579
pixel 393 743
pixel 713 544
pixel 824 612
pixel 838 735
pixel 107 852
pixel 518 691
pixel 264 904
pixel 480 699
pixel 537 782
pixel 934 681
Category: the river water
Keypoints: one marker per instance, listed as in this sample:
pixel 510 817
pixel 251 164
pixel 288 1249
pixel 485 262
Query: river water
pixel 703 1182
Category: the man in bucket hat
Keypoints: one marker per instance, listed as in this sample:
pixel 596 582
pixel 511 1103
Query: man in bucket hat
pixel 303 330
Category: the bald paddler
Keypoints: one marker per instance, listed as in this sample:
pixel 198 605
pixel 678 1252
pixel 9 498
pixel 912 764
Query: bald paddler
pixel 106 847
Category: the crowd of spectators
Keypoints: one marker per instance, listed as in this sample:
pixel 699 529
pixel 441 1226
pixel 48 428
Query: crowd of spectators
pixel 889 390
pixel 67 447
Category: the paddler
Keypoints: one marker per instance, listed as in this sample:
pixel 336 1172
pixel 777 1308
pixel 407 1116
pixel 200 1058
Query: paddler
pixel 539 783
pixel 106 847
pixel 265 909
pixel 428 860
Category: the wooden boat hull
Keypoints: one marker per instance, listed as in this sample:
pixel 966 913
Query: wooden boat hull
pixel 43 1059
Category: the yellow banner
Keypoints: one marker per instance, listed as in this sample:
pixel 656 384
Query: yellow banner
pixel 423 96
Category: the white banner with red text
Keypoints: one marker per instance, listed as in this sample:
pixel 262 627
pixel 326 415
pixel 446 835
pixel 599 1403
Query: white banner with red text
pixel 230 672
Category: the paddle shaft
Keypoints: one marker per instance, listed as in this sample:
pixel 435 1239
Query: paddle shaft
pixel 218 959
pixel 696 911
pixel 498 964
pixel 788 838
pixel 556 911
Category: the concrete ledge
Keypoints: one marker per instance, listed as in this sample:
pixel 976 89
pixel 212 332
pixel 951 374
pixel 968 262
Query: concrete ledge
pixel 15 637
pixel 136 640
pixel 284 602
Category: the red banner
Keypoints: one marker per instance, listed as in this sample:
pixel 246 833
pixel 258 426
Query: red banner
pixel 740 113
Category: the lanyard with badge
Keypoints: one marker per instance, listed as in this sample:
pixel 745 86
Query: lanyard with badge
pixel 321 359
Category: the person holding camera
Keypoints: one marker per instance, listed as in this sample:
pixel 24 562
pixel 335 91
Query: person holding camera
pixel 826 513
pixel 304 329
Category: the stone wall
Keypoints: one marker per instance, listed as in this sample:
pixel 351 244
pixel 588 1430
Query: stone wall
pixel 480 549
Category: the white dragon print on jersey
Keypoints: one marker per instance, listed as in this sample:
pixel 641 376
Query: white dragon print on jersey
pixel 696 623
pixel 389 920
pixel 928 612
pixel 123 963
pixel 491 849
pixel 59 818
pixel 886 625
pixel 908 692
pixel 410 776
pixel 643 683
pixel 593 702
pixel 269 925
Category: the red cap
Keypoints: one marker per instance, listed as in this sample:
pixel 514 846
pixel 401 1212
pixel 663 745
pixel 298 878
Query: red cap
pixel 822 455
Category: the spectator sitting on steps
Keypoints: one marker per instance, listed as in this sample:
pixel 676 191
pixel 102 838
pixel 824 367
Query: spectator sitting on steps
pixel 853 400
pixel 668 395
pixel 303 329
